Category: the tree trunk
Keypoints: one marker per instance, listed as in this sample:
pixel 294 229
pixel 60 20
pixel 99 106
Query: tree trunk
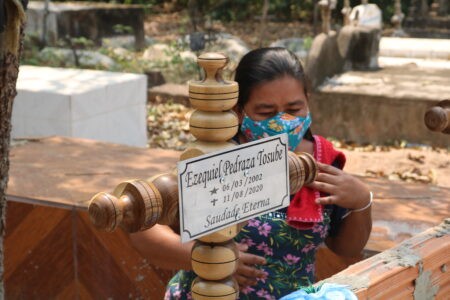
pixel 12 17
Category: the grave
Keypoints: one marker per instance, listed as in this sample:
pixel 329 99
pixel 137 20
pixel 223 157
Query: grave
pixel 75 169
pixel 415 48
pixel 381 106
pixel 93 21
pixel 99 105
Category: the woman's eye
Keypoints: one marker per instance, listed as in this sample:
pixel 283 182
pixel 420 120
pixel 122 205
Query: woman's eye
pixel 266 114
pixel 293 111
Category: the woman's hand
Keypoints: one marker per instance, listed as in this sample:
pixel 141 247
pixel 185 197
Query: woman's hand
pixel 343 189
pixel 247 273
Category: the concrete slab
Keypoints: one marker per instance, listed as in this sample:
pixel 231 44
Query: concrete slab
pixel 386 61
pixel 99 105
pixel 415 48
pixel 178 93
pixel 381 106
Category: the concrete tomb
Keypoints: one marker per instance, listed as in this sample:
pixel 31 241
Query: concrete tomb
pixel 98 105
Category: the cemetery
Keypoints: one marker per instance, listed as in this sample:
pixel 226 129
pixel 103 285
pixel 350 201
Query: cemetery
pixel 128 129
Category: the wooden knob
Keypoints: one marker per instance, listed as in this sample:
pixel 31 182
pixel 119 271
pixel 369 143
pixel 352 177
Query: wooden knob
pixel 213 93
pixel 226 289
pixel 213 126
pixel 212 63
pixel 437 118
pixel 303 170
pixel 105 210
pixel 311 167
pixel 134 205
pixel 222 235
pixel 214 261
pixel 218 101
pixel 167 185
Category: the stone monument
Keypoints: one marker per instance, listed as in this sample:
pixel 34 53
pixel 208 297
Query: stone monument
pixel 367 19
pixel 366 15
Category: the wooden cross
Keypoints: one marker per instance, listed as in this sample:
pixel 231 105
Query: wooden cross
pixel 138 204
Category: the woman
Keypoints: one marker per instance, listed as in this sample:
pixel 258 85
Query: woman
pixel 277 250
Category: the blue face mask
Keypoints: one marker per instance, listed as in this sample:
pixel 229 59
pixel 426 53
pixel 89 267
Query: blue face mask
pixel 282 122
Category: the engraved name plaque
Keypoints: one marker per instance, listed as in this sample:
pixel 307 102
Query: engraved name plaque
pixel 223 188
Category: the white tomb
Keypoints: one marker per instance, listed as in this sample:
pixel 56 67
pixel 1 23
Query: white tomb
pixel 99 105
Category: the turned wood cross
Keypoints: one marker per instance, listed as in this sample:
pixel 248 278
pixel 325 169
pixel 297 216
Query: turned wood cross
pixel 139 204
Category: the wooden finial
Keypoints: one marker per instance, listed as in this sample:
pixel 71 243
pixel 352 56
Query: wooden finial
pixel 212 63
pixel 167 185
pixel 213 93
pixel 213 126
pixel 303 170
pixel 226 289
pixel 437 118
pixel 134 205
pixel 214 261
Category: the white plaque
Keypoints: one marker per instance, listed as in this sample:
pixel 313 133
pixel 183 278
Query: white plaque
pixel 222 188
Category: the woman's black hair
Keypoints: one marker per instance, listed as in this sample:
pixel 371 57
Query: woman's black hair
pixel 266 64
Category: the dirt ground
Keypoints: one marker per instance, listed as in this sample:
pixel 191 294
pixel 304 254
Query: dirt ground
pixel 167 27
pixel 431 166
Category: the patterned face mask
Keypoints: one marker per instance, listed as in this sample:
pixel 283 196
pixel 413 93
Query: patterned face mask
pixel 282 122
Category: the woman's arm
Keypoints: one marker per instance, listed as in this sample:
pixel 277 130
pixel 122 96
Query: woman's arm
pixel 346 191
pixel 353 234
pixel 162 247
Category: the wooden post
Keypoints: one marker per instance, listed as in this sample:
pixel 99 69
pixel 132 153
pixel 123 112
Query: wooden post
pixel 214 257
pixel 139 204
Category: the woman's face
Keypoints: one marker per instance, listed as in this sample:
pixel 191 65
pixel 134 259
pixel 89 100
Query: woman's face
pixel 284 94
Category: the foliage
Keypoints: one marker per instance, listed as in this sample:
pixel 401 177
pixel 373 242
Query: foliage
pixel 122 29
pixel 141 2
pixel 175 69
pixel 280 10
